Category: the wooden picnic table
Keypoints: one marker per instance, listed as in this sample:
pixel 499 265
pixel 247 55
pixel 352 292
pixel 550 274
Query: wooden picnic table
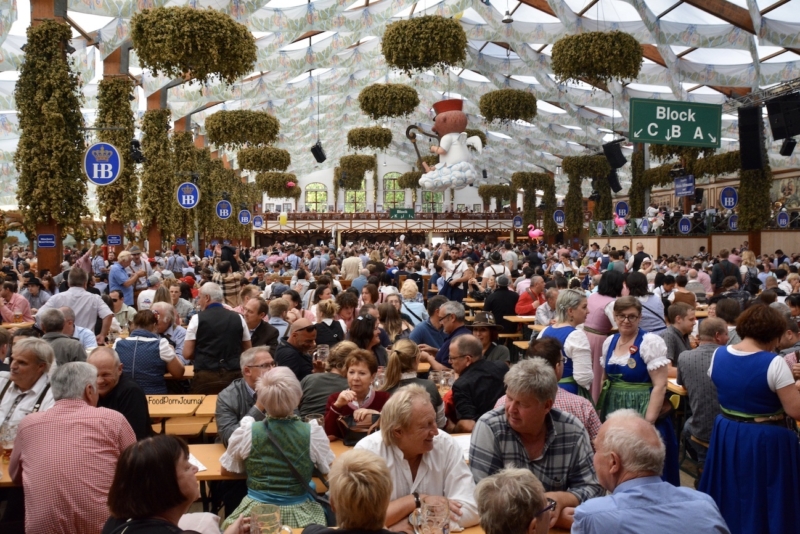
pixel 525 319
pixel 173 405
pixel 9 326
pixel 701 314
pixel 474 305
pixel 209 455
pixel 188 373
pixel 522 345
pixel 423 367
pixel 207 408
pixel 674 387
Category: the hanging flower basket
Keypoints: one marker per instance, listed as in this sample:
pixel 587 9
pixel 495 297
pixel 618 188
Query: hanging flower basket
pixel 353 168
pixel 424 43
pixel 409 180
pixel 597 57
pixel 506 105
pixel 202 43
pixel 372 137
pixel 276 184
pixel 233 129
pixel 263 159
pixel 388 100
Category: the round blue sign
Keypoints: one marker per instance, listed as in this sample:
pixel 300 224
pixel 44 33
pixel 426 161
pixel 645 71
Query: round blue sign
pixel 622 209
pixel 517 222
pixel 224 209
pixel 644 226
pixel 559 217
pixel 600 228
pixel 783 219
pixel 258 222
pixel 102 163
pixel 188 195
pixel 685 225
pixel 733 222
pixel 728 198
pixel 245 217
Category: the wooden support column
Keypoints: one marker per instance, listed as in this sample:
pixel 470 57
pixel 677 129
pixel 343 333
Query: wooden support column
pixel 48 258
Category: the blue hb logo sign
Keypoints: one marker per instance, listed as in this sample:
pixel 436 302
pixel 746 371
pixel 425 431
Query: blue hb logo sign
pixel 733 222
pixel 783 219
pixel 729 198
pixel 244 217
pixel 258 222
pixel 224 209
pixel 188 195
pixel 685 225
pixel 102 163
pixel 559 217
pixel 622 209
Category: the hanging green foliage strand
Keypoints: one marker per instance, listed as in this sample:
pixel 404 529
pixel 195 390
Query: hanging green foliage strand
pixel 577 169
pixel 118 200
pixel 51 184
pixel 184 164
pixel 530 182
pixel 157 174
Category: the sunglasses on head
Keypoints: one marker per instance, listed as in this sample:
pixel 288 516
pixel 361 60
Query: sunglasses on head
pixel 309 328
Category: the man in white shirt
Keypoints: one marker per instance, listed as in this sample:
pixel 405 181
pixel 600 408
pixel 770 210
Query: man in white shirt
pixel 409 437
pixel 26 388
pixel 147 296
pixel 455 266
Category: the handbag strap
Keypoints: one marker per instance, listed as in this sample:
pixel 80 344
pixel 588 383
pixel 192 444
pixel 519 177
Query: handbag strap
pixel 302 481
pixel 417 317
pixel 655 313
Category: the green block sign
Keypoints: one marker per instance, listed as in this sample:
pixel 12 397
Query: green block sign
pixel 401 213
pixel 670 122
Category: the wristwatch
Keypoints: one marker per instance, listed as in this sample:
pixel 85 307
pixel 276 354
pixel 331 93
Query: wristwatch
pixel 417 502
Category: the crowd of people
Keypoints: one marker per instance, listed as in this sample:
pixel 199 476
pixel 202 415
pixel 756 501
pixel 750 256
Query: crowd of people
pixel 371 344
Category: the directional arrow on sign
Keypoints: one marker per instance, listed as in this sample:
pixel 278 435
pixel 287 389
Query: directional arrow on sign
pixel 713 139
pixel 636 134
pixel 668 137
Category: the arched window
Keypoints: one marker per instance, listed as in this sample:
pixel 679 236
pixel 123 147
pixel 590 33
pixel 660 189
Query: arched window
pixel 393 196
pixel 317 197
pixel 432 201
pixel 355 200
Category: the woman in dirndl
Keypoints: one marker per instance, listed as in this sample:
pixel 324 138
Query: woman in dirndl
pixel 752 470
pixel 571 311
pixel 636 368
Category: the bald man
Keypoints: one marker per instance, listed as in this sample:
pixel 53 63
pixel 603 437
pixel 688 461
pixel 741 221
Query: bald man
pixel 120 393
pixel 629 458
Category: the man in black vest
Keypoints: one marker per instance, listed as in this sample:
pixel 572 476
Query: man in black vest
pixel 636 260
pixel 215 338
pixel 723 269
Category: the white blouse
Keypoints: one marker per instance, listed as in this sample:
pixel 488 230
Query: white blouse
pixel 653 351
pixel 579 350
pixel 442 471
pixel 240 445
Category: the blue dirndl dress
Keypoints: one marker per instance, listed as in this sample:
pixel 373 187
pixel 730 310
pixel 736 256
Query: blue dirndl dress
pixel 752 470
pixel 629 387
pixel 567 382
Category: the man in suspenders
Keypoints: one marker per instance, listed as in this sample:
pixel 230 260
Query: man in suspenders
pixel 26 389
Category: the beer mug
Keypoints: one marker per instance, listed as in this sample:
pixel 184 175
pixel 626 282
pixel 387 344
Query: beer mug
pixel 317 417
pixel 8 433
pixel 433 517
pixel 323 351
pixel 17 316
pixel 266 519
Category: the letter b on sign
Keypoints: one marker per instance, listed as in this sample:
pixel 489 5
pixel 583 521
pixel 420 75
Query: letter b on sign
pixel 102 171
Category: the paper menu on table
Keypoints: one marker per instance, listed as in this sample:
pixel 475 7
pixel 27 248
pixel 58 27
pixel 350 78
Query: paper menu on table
pixel 195 462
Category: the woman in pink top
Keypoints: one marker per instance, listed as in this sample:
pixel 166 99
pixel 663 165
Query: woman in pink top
pixel 600 321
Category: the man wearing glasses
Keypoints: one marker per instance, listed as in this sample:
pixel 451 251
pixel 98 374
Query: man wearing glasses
pixel 139 265
pixel 629 460
pixel 233 403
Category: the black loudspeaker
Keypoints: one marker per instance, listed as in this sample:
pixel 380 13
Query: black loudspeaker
pixel 784 116
pixel 751 138
pixel 613 179
pixel 698 195
pixel 483 173
pixel 318 152
pixel 787 147
pixel 613 152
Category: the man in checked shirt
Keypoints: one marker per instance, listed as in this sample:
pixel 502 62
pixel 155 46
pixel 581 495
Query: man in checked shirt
pixel 528 433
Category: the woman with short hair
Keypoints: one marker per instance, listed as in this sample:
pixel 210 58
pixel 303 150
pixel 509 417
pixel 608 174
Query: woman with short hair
pixel 269 479
pixel 752 470
pixel 348 306
pixel 571 312
pixel 146 357
pixel 370 295
pixel 154 504
pixel 411 305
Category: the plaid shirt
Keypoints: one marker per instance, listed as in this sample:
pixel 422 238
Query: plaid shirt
pixel 575 405
pixel 565 464
pixel 231 284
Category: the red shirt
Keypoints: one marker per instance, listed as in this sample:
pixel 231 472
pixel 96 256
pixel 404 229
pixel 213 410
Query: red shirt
pixel 525 302
pixel 65 458
pixel 332 426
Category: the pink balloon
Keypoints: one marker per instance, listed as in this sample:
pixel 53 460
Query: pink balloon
pixel 289 184
pixel 619 221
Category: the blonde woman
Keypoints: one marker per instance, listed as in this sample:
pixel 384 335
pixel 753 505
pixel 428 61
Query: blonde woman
pixel 330 330
pixel 411 306
pixel 401 370
pixel 749 272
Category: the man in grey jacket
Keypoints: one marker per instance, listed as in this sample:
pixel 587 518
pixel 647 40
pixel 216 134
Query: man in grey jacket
pixel 66 349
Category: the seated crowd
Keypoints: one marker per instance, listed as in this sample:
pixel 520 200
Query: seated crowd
pixel 442 419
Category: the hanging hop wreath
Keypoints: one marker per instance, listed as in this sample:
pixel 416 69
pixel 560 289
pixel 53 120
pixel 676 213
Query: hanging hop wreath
pixel 274 184
pixel 354 168
pixel 371 137
pixel 263 159
pixel 423 43
pixel 233 129
pixel 597 57
pixel 508 105
pixel 388 100
pixel 202 43
pixel 409 180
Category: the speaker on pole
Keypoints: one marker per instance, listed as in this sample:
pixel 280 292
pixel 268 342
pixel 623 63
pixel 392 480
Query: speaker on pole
pixel 698 195
pixel 318 152
pixel 751 138
pixel 613 153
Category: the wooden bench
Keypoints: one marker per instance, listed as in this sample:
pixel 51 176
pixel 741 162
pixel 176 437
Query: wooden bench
pixel 183 426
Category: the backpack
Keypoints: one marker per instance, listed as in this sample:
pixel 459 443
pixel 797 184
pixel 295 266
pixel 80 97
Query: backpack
pixel 751 283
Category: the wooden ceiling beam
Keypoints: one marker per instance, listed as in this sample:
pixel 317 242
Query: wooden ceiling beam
pixel 651 52
pixel 776 5
pixel 730 13
pixel 541 5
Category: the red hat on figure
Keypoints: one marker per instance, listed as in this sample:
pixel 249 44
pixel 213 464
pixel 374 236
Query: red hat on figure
pixel 453 104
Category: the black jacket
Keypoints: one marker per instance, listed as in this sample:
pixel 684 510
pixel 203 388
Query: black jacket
pixel 500 303
pixel 265 335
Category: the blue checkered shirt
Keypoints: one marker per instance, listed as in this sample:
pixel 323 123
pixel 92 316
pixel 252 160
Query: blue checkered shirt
pixel 565 464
